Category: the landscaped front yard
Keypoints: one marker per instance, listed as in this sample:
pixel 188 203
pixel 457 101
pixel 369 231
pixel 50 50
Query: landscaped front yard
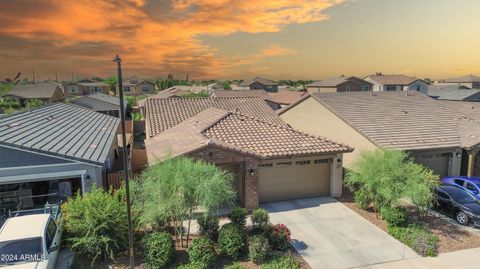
pixel 450 236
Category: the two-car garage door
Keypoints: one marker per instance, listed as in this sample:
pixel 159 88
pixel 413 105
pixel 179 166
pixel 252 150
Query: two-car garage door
pixel 293 179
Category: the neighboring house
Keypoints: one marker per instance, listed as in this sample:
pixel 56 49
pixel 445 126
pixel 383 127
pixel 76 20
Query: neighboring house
pixel 168 93
pixel 275 100
pixel 48 92
pixel 339 84
pixel 388 83
pixel 269 160
pixel 259 84
pixel 136 86
pixel 453 93
pixel 86 87
pixel 367 121
pixel 267 97
pixel 53 152
pixel 470 81
pixel 99 102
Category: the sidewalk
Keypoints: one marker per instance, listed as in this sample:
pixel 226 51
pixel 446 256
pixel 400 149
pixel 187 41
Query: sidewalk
pixel 464 259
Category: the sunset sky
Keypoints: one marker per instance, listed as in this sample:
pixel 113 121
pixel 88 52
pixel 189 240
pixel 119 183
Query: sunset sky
pixel 225 39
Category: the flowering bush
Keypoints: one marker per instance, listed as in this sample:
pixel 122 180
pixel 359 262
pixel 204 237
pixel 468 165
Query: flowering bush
pixel 280 237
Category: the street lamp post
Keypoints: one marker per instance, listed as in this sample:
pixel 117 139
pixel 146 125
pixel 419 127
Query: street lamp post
pixel 125 161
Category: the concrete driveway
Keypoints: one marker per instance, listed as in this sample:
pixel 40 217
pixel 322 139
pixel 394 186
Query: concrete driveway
pixel 330 235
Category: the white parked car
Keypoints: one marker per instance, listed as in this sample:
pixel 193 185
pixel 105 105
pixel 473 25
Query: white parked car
pixel 30 241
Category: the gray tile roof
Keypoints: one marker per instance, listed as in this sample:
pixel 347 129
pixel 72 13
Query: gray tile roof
pixel 335 81
pixel 468 123
pixel 263 81
pixel 63 130
pixel 453 93
pixel 396 120
pixel 41 90
pixel 393 79
pixel 164 113
pixel 464 79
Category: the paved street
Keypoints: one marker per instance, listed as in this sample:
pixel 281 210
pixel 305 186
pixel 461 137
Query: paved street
pixel 329 235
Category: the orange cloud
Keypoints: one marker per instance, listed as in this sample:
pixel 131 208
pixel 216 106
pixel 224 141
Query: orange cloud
pixel 152 36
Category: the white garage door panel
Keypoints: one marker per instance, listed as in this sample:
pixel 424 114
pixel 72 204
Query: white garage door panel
pixel 294 181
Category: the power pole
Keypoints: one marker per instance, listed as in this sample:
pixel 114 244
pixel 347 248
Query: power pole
pixel 33 75
pixel 125 161
pixel 56 76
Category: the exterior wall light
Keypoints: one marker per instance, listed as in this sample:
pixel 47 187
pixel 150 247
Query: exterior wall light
pixel 251 172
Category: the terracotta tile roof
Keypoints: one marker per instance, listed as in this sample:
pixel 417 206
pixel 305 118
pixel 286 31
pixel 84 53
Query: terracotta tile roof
pixel 335 81
pixel 287 97
pixel 396 120
pixel 242 93
pixel 268 140
pixel 165 113
pixel 393 79
pixel 238 132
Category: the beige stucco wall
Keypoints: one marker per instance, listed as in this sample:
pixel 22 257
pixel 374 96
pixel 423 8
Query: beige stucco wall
pixel 312 117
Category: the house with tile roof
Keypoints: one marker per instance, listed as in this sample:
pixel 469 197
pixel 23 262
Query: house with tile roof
pixel 135 86
pixel 453 93
pixel 408 121
pixel 48 92
pixel 101 103
pixel 86 87
pixel 339 84
pixel 390 83
pixel 275 100
pixel 53 152
pixel 270 161
pixel 470 81
pixel 259 83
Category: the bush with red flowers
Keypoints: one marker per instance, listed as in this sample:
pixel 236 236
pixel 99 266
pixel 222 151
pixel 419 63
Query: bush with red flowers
pixel 279 237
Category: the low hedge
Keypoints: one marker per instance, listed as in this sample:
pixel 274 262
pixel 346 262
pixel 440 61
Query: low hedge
pixel 416 237
pixel 202 252
pixel 395 216
pixel 282 262
pixel 232 240
pixel 158 249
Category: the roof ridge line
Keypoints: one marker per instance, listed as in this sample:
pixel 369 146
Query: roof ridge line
pixel 228 113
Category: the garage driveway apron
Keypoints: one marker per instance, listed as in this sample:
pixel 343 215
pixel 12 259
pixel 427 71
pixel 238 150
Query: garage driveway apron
pixel 330 235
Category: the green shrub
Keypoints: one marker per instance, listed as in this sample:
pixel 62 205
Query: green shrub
pixel 187 266
pixel 258 248
pixel 232 240
pixel 416 237
pixel 209 226
pixel 238 216
pixel 158 249
pixel 282 262
pixel 202 252
pixel 362 199
pixel 94 224
pixel 279 237
pixel 235 266
pixel 260 219
pixel 396 216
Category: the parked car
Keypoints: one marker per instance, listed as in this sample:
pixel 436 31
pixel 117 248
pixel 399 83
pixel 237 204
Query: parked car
pixel 459 203
pixel 30 241
pixel 470 184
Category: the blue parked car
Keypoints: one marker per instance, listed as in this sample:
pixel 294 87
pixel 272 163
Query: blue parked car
pixel 470 184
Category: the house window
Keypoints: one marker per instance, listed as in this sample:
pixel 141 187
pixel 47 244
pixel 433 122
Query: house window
pixel 320 161
pixel 365 88
pixel 72 88
pixel 348 88
pixel 418 88
pixel 145 89
pixel 126 89
pixel 303 162
pixel 284 163
pixel 265 165
pixel 391 88
pixel 95 89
